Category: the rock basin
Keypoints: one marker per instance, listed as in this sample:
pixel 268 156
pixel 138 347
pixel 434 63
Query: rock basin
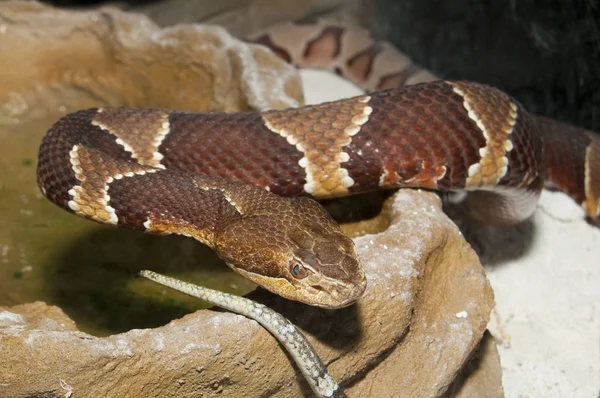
pixel 413 333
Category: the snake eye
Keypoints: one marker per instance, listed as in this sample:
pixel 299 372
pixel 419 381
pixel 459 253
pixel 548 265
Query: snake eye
pixel 298 270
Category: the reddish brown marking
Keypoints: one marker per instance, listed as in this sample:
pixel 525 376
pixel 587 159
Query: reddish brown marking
pixel 55 172
pixel 495 115
pixel 321 133
pixel 95 171
pixel 140 135
pixel 397 79
pixel 592 179
pixel 253 154
pixel 412 134
pixel 325 46
pixel 525 160
pixel 572 156
pixel 172 203
pixel 564 145
pixel 266 41
pixel 361 64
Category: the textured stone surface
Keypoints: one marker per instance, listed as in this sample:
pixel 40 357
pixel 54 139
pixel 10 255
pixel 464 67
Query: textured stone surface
pixel 242 17
pixel 57 59
pixel 424 312
pixel 426 305
pixel 482 374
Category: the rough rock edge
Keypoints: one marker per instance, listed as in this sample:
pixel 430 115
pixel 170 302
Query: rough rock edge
pixel 231 355
pixel 125 59
pixel 220 353
pixel 482 374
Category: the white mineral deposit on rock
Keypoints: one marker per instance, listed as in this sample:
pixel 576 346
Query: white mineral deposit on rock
pixel 462 314
pixel 8 318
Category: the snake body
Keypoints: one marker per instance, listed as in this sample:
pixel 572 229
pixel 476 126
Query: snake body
pixel 208 175
pixel 218 177
pixel 570 160
pixel 125 167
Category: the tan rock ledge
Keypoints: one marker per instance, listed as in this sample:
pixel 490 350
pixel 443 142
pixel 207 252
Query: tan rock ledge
pixel 54 59
pixel 427 301
pixel 424 312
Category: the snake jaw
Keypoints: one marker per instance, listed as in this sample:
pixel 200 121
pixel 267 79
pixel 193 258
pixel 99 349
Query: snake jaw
pixel 342 295
pixel 316 290
pixel 330 292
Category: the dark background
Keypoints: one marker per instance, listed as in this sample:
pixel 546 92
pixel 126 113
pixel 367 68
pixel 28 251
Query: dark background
pixel 545 53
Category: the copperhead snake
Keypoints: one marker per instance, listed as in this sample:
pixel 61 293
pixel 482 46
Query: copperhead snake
pixel 172 172
pixel 571 155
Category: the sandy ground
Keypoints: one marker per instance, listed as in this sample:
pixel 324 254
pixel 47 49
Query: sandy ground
pixel 546 277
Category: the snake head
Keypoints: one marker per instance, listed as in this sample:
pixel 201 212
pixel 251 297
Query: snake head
pixel 295 249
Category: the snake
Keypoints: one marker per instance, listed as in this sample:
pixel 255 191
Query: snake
pixel 244 183
pixel 570 155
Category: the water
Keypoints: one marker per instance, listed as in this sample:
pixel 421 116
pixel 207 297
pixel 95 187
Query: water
pixel 88 269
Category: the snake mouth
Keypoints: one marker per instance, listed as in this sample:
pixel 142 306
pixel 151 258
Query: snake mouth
pixel 327 293
pixel 342 295
pixel 333 295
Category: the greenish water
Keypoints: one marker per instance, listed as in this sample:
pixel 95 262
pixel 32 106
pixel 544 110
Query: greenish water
pixel 86 268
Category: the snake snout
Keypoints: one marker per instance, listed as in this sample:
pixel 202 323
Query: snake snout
pixel 352 291
pixel 342 292
pixel 342 274
pixel 342 295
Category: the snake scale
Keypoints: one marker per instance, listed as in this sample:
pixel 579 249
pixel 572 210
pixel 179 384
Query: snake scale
pixel 240 182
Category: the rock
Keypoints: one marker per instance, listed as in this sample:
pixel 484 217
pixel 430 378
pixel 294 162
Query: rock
pixel 426 305
pixel 37 315
pixel 482 375
pixel 452 298
pixel 423 314
pixel 53 58
pixel 240 17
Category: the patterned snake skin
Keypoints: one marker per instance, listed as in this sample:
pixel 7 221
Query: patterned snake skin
pixel 571 155
pixel 183 173
pixel 174 172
